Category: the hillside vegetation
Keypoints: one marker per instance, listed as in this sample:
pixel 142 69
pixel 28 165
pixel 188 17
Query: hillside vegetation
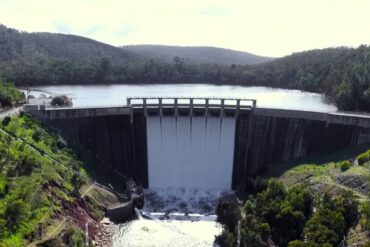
pixel 309 205
pixel 194 54
pixel 10 95
pixel 33 188
pixel 341 74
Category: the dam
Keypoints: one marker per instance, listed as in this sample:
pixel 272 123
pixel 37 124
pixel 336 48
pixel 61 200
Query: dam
pixel 211 143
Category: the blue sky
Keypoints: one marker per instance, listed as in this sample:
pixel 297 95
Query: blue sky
pixel 264 27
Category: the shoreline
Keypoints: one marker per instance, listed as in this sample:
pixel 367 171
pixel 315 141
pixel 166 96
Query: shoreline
pixel 104 238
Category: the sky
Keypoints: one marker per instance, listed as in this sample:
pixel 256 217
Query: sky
pixel 264 27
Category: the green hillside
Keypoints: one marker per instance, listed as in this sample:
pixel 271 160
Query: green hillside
pixel 34 187
pixel 308 205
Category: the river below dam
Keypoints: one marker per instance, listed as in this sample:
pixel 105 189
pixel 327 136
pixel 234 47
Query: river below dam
pixel 173 217
pixel 116 95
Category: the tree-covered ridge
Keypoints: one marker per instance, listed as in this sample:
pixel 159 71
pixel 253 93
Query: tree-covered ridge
pixel 10 95
pixel 15 45
pixel 196 54
pixel 308 206
pixel 341 74
pixel 33 188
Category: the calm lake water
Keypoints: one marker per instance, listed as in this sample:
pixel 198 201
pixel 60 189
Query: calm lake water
pixel 115 95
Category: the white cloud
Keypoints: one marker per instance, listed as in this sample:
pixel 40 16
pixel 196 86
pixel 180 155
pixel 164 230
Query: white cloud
pixel 265 27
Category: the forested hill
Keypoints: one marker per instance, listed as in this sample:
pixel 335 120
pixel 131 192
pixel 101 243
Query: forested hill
pixel 341 74
pixel 201 54
pixel 16 45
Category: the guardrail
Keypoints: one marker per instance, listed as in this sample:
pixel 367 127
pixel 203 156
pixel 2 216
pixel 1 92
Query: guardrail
pixel 177 104
pixel 191 102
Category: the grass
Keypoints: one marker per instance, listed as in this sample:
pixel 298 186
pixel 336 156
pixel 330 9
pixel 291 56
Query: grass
pixel 325 175
pixel 343 154
pixel 357 170
pixel 32 187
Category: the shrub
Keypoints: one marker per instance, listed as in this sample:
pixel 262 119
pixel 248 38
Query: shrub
pixel 226 239
pixel 3 185
pixel 13 241
pixel 37 135
pixel 363 158
pixel 61 143
pixel 365 215
pixel 6 121
pixel 344 165
pixel 265 231
pixel 228 212
pixel 61 100
pixel 9 94
pixel 300 243
pixel 74 237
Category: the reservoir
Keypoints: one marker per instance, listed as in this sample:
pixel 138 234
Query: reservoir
pixel 116 95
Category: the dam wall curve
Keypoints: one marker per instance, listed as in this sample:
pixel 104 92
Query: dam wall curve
pixel 216 148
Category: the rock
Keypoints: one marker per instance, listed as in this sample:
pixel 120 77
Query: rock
pixel 356 182
pixel 105 221
pixel 120 212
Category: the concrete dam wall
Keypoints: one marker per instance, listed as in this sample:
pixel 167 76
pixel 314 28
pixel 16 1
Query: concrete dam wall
pixel 190 152
pixel 197 148
pixel 273 140
pixel 112 142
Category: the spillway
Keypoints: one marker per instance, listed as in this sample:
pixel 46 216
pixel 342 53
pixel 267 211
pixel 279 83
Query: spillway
pixel 194 152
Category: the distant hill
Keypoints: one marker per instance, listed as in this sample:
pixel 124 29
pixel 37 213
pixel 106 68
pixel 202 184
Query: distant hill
pixel 15 44
pixel 198 55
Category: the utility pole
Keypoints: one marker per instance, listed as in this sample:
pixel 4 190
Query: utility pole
pixel 27 93
pixel 87 234
pixel 238 237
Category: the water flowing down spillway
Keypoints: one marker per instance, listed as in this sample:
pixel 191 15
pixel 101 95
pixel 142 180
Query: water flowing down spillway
pixel 190 164
pixel 190 152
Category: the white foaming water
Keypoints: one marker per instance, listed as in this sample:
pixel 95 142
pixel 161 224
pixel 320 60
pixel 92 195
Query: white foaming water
pixel 179 233
pixel 190 201
pixel 181 217
pixel 192 152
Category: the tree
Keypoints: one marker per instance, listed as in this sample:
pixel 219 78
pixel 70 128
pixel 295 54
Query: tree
pixel 228 212
pixel 61 100
pixel 9 94
pixel 14 213
pixel 327 225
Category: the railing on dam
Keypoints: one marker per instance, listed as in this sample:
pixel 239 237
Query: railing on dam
pixel 190 105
